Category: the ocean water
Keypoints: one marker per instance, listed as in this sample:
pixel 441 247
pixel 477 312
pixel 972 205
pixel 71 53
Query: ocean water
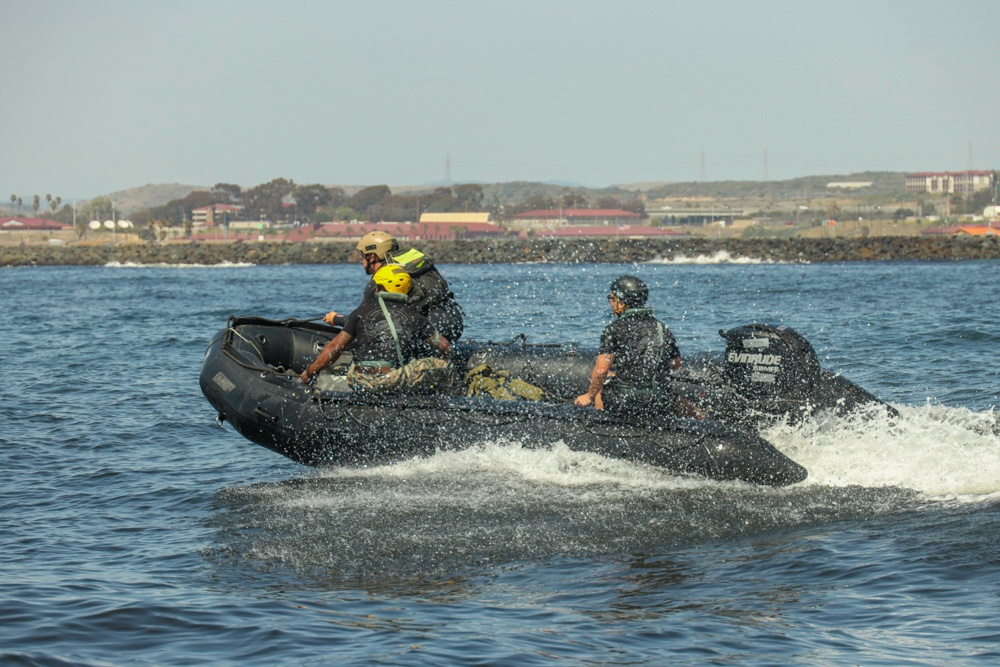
pixel 136 531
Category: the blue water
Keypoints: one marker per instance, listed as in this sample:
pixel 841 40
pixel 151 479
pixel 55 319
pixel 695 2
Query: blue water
pixel 135 531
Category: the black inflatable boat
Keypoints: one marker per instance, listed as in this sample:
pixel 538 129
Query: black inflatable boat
pixel 250 376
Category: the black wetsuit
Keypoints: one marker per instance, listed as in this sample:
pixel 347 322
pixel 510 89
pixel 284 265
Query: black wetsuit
pixel 644 349
pixel 373 344
pixel 429 294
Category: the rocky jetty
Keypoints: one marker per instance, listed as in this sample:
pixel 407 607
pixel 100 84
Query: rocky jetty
pixel 500 251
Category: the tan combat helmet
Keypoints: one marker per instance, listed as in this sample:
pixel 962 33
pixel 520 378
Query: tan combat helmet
pixel 377 243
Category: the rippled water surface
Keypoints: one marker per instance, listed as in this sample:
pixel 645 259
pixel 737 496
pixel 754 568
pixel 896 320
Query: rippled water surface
pixel 135 531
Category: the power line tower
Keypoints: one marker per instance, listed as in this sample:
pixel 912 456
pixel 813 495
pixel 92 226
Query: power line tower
pixel 764 175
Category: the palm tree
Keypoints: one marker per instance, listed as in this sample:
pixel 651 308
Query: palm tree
pixel 53 203
pixel 36 204
pixel 13 200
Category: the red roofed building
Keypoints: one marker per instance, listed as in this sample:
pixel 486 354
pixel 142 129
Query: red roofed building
pixel 9 224
pixel 971 230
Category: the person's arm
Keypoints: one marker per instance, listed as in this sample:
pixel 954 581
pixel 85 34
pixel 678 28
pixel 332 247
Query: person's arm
pixel 331 351
pixel 440 344
pixel 335 319
pixel 597 377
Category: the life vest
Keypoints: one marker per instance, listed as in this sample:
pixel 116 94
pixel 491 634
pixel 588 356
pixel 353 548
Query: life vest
pixel 415 262
pixel 429 288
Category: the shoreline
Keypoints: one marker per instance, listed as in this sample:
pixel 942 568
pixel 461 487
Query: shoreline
pixel 507 251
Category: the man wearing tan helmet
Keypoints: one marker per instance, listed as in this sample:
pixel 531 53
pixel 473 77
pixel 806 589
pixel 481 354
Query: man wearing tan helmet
pixel 429 293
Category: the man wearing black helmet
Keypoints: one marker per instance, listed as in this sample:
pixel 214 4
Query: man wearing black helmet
pixel 429 294
pixel 642 352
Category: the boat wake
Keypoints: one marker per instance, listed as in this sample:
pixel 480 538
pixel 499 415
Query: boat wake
pixel 944 453
pixel 461 513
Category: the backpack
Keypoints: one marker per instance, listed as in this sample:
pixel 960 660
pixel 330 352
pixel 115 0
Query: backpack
pixel 484 381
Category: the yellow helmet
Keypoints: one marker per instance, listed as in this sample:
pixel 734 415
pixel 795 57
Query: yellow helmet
pixel 393 278
pixel 377 243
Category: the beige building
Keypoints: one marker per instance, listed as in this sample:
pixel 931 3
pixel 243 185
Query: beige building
pixel 961 183
pixel 455 218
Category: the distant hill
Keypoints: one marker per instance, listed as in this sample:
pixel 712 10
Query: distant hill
pixel 150 195
pixel 886 183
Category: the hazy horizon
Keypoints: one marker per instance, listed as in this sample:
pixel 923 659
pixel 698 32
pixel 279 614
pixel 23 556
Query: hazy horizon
pixel 108 95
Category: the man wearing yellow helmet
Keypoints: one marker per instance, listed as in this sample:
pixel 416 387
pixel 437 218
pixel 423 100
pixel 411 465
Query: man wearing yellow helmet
pixel 429 293
pixel 393 343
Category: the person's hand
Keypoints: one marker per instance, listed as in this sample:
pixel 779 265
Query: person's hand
pixel 305 377
pixel 329 317
pixel 583 400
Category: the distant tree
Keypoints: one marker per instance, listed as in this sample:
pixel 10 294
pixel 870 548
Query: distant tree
pixel 441 200
pixel 36 204
pixel 903 213
pixel 496 208
pixel 635 205
pixel 234 192
pixel 53 203
pixel 309 199
pixel 98 208
pixel 607 201
pixel 469 196
pixel 365 198
pixel 571 199
pixel 345 213
pixel 13 199
pixel 267 199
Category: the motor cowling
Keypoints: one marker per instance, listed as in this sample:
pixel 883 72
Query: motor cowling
pixel 770 363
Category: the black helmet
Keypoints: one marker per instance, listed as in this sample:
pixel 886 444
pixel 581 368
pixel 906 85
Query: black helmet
pixel 630 290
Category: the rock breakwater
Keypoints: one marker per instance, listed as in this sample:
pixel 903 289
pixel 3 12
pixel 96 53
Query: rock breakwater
pixel 500 251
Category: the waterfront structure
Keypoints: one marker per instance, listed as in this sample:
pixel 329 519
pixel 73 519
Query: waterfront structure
pixel 962 183
pixel 577 216
pixel 16 224
pixel 209 216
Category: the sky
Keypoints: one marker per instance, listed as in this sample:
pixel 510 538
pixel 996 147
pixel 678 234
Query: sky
pixel 101 96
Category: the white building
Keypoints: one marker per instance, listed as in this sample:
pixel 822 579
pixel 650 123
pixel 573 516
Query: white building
pixel 961 183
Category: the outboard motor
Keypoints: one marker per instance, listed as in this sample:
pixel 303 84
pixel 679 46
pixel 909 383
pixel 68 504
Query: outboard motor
pixel 771 366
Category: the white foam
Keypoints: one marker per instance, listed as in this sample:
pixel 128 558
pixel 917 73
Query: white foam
pixel 555 471
pixel 944 453
pixel 164 265
pixel 720 257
